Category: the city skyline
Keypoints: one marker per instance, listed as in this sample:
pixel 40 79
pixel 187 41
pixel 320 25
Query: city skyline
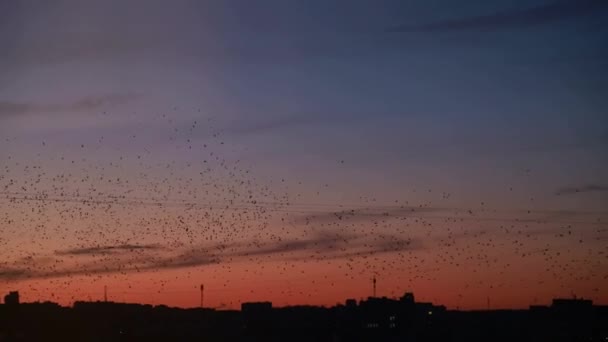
pixel 380 319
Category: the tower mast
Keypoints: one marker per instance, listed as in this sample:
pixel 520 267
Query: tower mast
pixel 202 294
pixel 374 283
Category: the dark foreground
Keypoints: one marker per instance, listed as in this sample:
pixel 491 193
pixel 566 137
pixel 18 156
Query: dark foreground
pixel 375 319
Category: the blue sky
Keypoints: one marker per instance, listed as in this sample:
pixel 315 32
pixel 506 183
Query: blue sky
pixel 394 87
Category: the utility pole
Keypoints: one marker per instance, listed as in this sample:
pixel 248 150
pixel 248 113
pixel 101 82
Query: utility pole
pixel 105 293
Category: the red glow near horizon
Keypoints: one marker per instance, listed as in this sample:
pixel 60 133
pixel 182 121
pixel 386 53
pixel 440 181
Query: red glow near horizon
pixel 152 231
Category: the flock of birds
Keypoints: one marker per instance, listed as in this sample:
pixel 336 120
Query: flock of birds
pixel 99 210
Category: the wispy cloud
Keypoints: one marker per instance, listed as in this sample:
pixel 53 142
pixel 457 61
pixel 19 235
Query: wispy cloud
pixel 366 214
pixel 139 258
pixel 322 245
pixel 326 245
pixel 10 273
pixel 8 108
pixel 582 189
pixel 122 264
pixel 108 249
pixel 519 18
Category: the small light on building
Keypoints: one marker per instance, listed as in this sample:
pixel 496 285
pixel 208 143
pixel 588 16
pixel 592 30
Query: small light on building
pixel 430 313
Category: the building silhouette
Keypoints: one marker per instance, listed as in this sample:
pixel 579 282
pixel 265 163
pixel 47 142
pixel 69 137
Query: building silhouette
pixel 372 319
pixel 12 298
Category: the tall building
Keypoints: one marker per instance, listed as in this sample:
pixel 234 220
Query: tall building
pixel 12 298
pixel 351 303
pixel 408 297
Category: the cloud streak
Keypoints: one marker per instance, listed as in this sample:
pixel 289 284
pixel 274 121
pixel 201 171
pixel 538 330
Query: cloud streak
pixel 108 267
pixel 520 18
pixel 140 258
pixel 8 108
pixel 108 249
pixel 582 189
pixel 367 214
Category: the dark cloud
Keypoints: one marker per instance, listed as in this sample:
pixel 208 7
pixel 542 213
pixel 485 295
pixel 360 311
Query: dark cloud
pixel 108 266
pixel 9 273
pixel 323 245
pixel 582 189
pixel 108 249
pixel 426 213
pixel 8 108
pixel 321 242
pixel 552 12
pixel 13 108
pixel 361 247
pixel 363 214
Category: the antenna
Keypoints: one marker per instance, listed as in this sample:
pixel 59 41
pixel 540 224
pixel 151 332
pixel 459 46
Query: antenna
pixel 202 294
pixel 374 283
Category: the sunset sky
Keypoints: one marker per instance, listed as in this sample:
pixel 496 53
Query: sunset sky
pixel 292 150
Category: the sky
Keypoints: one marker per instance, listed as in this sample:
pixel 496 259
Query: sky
pixel 293 150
